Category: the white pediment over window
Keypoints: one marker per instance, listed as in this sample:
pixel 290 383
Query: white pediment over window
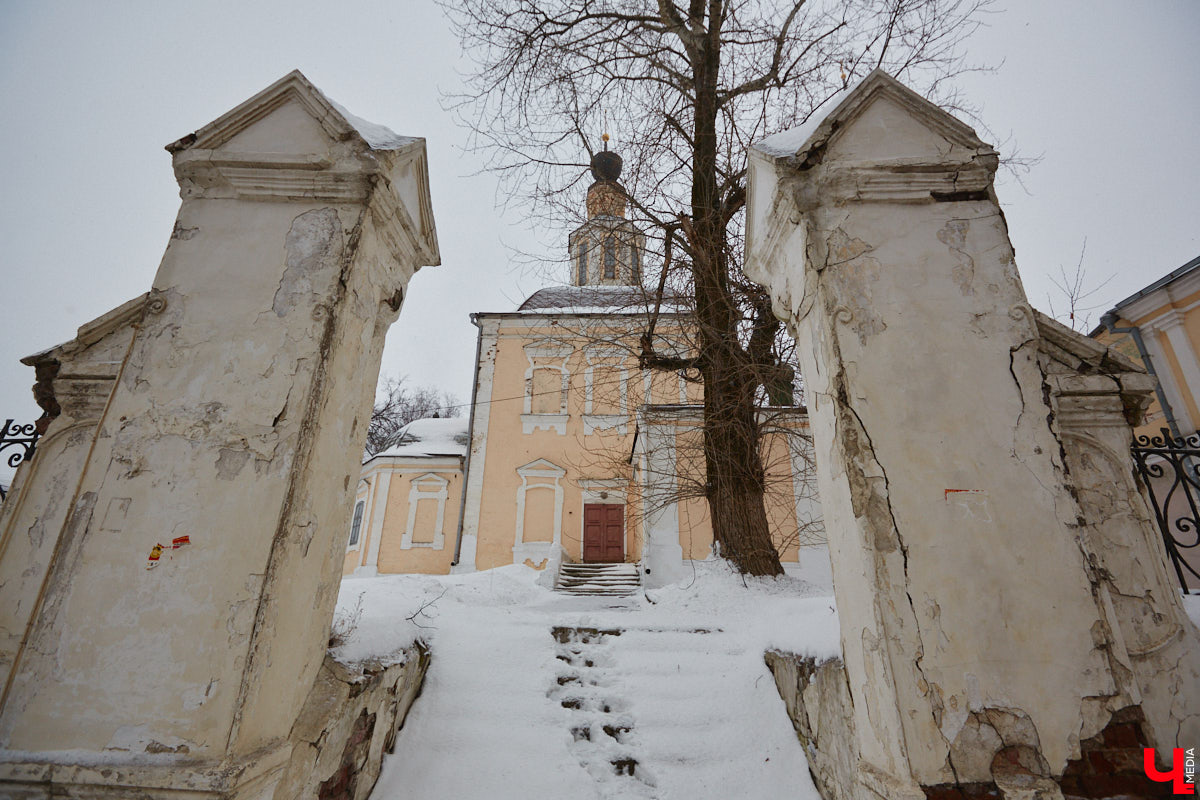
pixel 541 468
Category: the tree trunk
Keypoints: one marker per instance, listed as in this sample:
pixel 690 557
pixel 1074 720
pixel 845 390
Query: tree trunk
pixel 735 473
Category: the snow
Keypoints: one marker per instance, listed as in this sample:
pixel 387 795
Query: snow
pixel 788 143
pixel 377 136
pixel 425 438
pixel 590 299
pixel 586 310
pixel 511 710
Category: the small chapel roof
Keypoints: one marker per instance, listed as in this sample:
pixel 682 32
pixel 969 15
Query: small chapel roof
pixel 429 438
pixel 593 299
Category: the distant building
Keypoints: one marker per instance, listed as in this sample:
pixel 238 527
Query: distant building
pixel 576 454
pixel 1159 327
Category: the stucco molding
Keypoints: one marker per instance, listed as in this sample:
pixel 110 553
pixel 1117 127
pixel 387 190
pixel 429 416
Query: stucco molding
pixel 542 355
pixel 539 474
pixel 419 490
pixel 597 352
pixel 548 422
pixel 1166 376
pixel 1181 289
pixel 481 414
pixel 381 484
pixel 807 501
pixel 608 359
pixel 662 553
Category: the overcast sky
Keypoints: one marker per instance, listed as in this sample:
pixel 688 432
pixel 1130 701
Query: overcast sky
pixel 1108 93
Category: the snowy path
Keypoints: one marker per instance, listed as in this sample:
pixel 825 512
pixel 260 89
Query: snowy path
pixel 557 697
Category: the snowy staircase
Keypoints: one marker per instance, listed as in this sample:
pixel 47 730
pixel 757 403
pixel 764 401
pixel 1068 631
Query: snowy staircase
pixel 673 713
pixel 598 579
pixel 643 703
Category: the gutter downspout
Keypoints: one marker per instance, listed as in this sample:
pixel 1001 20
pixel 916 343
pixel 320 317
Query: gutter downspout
pixel 1108 321
pixel 462 505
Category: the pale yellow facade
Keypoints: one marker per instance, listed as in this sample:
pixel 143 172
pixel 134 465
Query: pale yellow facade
pixel 1160 324
pixel 565 424
pixel 1165 317
pixel 408 502
pixel 560 404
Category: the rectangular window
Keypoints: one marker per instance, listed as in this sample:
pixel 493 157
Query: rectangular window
pixel 547 391
pixel 610 259
pixel 607 389
pixel 635 258
pixel 356 526
pixel 425 521
pixel 583 248
pixel 539 514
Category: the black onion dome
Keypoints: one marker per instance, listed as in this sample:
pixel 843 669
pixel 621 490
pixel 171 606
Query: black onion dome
pixel 606 166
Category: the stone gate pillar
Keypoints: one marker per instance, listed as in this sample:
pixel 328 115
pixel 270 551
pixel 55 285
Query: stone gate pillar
pixel 978 646
pixel 237 420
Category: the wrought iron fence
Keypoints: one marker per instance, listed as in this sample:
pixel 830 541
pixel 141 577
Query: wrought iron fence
pixel 20 439
pixel 1168 466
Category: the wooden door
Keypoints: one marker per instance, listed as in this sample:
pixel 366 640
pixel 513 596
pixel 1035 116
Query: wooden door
pixel 603 532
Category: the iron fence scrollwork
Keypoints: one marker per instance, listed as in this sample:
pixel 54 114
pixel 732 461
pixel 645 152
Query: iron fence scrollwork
pixel 1168 466
pixel 21 440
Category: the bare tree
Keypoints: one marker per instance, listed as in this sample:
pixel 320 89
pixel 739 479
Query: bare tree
pixel 1075 290
pixel 687 88
pixel 397 404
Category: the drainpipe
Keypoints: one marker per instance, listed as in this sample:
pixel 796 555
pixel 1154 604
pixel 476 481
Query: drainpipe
pixel 462 505
pixel 1108 321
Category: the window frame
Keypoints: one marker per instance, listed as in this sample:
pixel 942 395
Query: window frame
pixel 360 510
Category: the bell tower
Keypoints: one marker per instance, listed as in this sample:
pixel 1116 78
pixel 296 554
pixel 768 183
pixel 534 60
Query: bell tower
pixel 608 249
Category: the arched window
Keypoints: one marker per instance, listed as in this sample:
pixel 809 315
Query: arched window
pixel 610 258
pixel 635 259
pixel 583 252
pixel 356 525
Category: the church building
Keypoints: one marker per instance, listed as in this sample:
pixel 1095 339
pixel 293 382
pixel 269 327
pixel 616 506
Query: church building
pixel 572 452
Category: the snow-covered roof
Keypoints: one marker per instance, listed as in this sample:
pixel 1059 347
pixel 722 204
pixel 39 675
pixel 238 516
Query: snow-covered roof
pixel 429 438
pixel 836 112
pixel 789 142
pixel 379 137
pixel 597 300
pixel 333 117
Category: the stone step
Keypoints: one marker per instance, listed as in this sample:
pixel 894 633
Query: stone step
pixel 613 592
pixel 611 580
pixel 631 569
pixel 601 573
pixel 600 576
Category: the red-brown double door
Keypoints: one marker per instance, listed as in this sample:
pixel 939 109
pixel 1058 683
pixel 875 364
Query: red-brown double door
pixel 603 532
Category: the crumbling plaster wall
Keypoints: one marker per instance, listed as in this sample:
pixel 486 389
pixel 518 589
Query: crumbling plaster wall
pixel 1097 398
pixel 237 420
pixel 75 380
pixel 349 722
pixel 970 621
pixel 199 440
pixel 951 504
pixel 818 702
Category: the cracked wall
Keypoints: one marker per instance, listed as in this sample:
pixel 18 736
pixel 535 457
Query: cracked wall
pixel 348 723
pixel 236 420
pixel 971 620
pixel 79 377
